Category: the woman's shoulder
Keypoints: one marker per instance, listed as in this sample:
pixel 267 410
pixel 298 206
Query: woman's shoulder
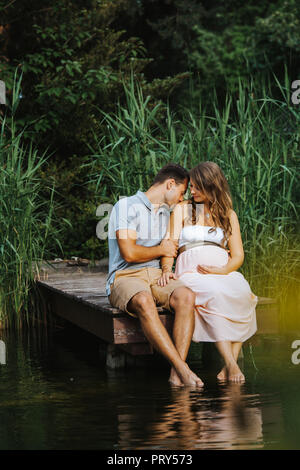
pixel 234 220
pixel 231 213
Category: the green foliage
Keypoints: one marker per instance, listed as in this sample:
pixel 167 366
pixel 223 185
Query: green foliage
pixel 79 238
pixel 221 58
pixel 78 63
pixel 221 42
pixel 27 219
pixel 74 61
pixel 282 25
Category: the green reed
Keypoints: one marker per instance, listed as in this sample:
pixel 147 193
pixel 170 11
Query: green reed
pixel 255 140
pixel 139 139
pixel 25 219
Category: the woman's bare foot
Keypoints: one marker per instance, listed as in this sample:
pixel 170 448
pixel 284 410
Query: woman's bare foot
pixel 235 374
pixel 223 374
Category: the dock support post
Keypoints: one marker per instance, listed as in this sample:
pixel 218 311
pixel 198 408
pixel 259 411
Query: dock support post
pixel 115 359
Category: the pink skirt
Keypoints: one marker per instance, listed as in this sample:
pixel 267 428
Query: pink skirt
pixel 225 304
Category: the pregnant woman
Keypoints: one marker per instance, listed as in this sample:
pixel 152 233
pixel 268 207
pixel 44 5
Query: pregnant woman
pixel 210 252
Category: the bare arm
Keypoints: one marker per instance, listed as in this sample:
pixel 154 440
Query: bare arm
pixel 173 232
pixel 174 229
pixel 134 253
pixel 235 245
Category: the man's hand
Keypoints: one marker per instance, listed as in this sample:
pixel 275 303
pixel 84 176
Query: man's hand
pixel 165 277
pixel 169 248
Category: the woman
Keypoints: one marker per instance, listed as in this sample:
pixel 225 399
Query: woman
pixel 207 228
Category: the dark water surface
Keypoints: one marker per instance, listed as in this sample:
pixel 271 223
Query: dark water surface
pixel 55 393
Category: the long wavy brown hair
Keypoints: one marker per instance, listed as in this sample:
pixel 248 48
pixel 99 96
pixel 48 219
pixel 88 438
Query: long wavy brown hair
pixel 210 179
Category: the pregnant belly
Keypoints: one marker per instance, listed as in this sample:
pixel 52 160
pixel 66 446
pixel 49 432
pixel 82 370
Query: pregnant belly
pixel 209 255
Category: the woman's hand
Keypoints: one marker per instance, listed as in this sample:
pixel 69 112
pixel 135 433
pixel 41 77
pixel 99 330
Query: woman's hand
pixel 204 269
pixel 165 277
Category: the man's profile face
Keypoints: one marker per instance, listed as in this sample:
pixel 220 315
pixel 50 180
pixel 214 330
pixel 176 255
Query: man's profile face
pixel 176 193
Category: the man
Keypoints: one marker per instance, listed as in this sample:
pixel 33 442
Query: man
pixel 137 229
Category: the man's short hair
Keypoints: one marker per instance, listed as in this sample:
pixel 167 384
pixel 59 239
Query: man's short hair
pixel 171 170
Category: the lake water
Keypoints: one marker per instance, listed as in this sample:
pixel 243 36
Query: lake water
pixel 57 394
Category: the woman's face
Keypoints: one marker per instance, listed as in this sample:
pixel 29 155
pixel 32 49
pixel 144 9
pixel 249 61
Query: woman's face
pixel 196 193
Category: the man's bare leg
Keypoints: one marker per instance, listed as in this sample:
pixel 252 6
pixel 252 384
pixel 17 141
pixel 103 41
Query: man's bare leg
pixel 143 304
pixel 182 301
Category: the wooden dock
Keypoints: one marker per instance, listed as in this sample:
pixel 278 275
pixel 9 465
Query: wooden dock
pixel 77 294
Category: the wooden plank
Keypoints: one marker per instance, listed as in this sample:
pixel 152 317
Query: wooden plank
pixel 128 329
pixel 99 318
pixel 267 316
pixel 98 321
pixel 266 301
pixel 80 299
pixel 97 301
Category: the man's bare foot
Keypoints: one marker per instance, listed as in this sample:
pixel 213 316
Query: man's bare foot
pixel 174 379
pixel 235 374
pixel 188 377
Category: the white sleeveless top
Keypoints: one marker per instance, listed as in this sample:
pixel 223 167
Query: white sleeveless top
pixel 197 233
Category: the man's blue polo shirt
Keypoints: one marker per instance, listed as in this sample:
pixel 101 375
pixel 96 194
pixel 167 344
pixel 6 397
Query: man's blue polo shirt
pixel 139 214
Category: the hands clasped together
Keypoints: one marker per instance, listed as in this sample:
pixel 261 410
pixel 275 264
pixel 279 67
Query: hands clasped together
pixel 169 248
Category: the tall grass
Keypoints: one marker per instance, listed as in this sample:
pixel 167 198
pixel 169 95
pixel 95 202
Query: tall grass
pixel 26 219
pixel 138 140
pixel 255 140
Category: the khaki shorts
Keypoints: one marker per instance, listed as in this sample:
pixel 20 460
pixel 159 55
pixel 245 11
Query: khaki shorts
pixel 129 282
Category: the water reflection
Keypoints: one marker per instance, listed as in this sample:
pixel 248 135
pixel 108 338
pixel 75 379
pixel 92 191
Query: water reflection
pixel 56 394
pixel 2 352
pixel 196 421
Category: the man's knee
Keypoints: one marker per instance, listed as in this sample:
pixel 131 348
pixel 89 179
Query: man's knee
pixel 142 303
pixel 182 296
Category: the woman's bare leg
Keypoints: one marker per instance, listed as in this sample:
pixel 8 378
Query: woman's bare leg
pixel 235 347
pixel 230 351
